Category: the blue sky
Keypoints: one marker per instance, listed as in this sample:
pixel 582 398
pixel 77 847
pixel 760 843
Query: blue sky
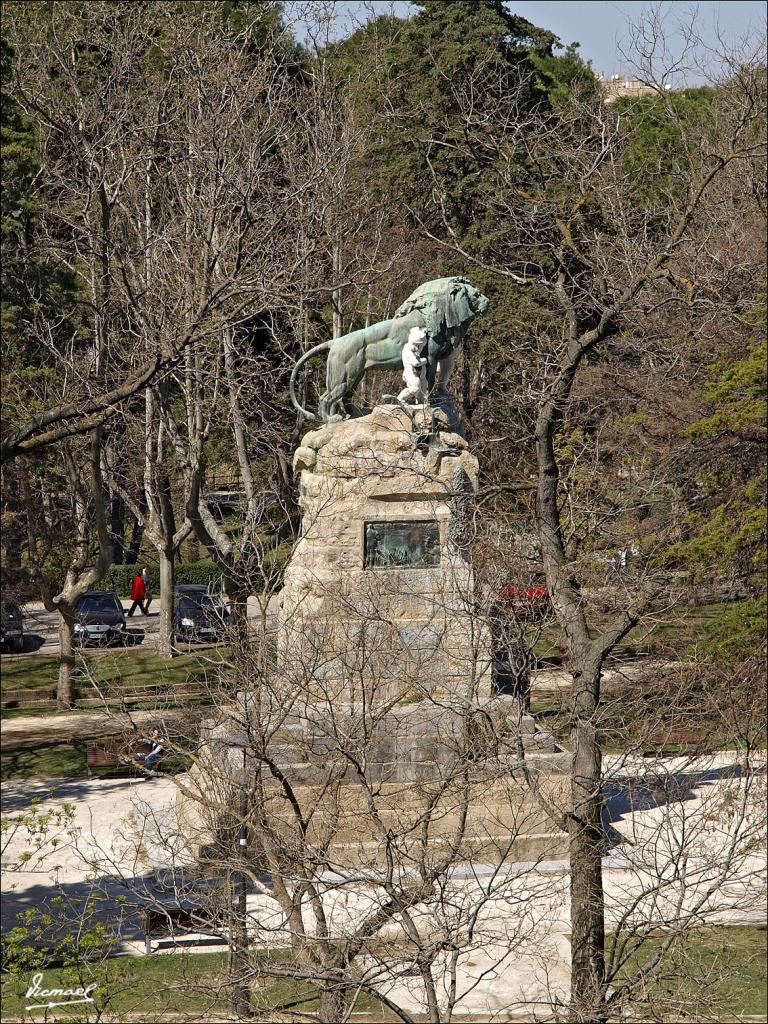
pixel 598 25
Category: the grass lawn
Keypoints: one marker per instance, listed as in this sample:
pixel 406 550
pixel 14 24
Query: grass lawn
pixel 181 983
pixel 60 762
pixel 720 973
pixel 723 968
pixel 680 632
pixel 685 629
pixel 110 671
pixel 64 761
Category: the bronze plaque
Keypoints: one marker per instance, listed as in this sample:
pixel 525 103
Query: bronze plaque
pixel 402 545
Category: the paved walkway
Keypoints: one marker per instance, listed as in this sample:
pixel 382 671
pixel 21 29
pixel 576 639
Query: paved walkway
pixel 29 732
pixel 676 822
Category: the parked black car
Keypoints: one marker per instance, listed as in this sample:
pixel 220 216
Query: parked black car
pixel 11 626
pixel 198 614
pixel 99 618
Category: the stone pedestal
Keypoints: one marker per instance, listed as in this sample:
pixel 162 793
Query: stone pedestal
pixel 379 591
pixel 444 771
pixel 379 712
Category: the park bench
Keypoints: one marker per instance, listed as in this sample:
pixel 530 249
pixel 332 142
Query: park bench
pixel 100 757
pixel 111 755
pixel 668 741
pixel 166 921
pixel 102 754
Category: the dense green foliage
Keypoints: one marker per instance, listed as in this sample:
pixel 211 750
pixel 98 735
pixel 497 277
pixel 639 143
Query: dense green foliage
pixel 422 66
pixel 434 53
pixel 738 632
pixel 36 287
pixel 658 126
pixel 728 526
pixel 120 577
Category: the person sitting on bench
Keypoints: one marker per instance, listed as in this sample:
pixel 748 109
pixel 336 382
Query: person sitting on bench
pixel 156 751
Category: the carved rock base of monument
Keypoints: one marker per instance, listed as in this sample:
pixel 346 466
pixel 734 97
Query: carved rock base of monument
pixel 438 770
pixel 378 592
pixel 383 678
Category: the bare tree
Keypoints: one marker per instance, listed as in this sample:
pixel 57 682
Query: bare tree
pixel 163 225
pixel 332 244
pixel 363 862
pixel 599 254
pixel 68 544
pixel 156 514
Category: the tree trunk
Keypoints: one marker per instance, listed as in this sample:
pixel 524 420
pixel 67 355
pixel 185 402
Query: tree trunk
pixel 466 387
pixel 13 531
pixel 586 844
pixel 89 494
pixel 64 688
pixel 332 1003
pixel 238 606
pixel 13 540
pixel 241 992
pixel 338 308
pixel 117 528
pixel 193 549
pixel 167 580
pixel 132 554
pixel 585 829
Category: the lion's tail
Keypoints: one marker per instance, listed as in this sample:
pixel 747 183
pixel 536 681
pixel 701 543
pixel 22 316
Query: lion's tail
pixel 307 355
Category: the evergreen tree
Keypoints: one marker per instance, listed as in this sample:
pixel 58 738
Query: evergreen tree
pixel 449 47
pixel 35 287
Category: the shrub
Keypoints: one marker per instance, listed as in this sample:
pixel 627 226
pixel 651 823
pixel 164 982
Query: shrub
pixel 204 573
pixel 119 577
pixel 736 632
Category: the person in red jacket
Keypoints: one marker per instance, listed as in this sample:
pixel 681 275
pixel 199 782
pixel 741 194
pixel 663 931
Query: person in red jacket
pixel 139 592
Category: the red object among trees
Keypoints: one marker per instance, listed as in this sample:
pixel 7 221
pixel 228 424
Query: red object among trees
pixel 138 589
pixel 532 598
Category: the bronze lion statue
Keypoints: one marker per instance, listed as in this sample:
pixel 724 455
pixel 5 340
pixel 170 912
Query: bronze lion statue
pixel 443 308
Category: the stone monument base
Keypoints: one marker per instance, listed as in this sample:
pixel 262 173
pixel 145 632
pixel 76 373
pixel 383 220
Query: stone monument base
pixel 443 773
pixel 378 592
pixel 377 732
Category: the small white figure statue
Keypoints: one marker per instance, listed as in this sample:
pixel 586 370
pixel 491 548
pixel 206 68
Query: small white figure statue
pixel 414 372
